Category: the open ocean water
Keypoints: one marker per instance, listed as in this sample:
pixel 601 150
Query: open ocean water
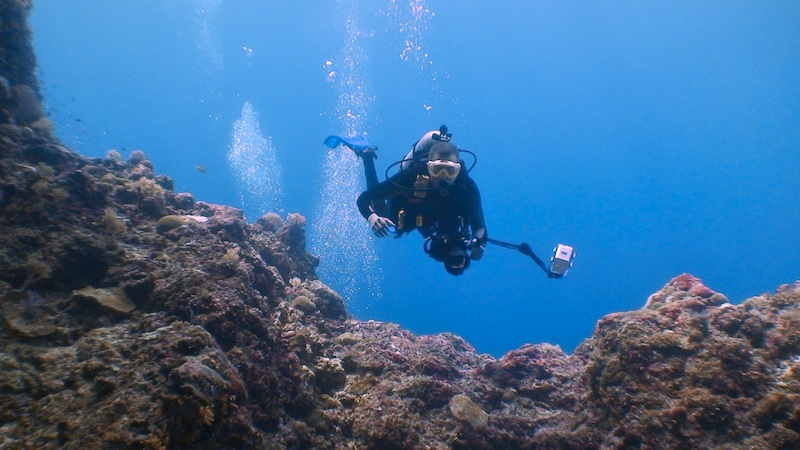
pixel 655 137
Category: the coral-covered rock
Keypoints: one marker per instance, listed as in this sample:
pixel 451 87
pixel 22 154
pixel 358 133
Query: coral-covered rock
pixel 692 371
pixel 467 411
pixel 234 342
pixel 687 290
pixel 112 299
pixel 24 316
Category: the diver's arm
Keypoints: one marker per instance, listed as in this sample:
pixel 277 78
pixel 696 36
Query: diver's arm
pixel 475 209
pixel 369 197
pixel 476 221
pixel 384 191
pixel 364 203
pixel 379 225
pixel 379 193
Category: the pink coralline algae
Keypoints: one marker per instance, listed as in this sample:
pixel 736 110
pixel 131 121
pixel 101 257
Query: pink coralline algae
pixel 687 289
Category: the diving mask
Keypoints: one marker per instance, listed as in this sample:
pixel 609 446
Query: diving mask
pixel 443 169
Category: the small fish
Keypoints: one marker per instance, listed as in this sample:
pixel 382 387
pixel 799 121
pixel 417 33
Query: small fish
pixel 200 168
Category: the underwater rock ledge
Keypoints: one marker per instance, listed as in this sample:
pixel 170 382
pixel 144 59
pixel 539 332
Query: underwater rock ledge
pixel 132 316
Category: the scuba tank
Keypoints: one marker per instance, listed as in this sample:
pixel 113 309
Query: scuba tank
pixel 421 148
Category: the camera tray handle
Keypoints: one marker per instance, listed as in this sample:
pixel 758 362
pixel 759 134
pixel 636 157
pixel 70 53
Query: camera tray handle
pixel 525 249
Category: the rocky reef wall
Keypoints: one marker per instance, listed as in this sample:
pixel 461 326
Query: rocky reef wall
pixel 132 316
pixel 20 100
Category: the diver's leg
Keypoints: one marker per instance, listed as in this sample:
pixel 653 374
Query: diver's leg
pixel 369 169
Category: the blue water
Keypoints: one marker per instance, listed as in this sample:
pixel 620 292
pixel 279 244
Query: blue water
pixel 655 137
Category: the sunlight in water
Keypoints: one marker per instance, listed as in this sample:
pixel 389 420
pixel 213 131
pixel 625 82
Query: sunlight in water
pixel 348 260
pixel 253 162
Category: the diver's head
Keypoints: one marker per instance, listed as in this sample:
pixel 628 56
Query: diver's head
pixel 444 162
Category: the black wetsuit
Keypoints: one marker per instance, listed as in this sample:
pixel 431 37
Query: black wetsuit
pixel 447 210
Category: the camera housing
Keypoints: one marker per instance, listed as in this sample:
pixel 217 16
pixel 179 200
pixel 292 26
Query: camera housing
pixel 561 261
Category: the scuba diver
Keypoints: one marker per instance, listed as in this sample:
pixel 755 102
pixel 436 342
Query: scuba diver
pixel 432 193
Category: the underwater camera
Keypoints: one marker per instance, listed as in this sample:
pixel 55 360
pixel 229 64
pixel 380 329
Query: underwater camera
pixel 561 260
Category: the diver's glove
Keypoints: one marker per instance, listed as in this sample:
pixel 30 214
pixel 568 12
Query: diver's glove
pixel 477 250
pixel 477 244
pixel 379 225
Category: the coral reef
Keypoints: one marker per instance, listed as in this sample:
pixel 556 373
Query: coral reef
pixel 132 316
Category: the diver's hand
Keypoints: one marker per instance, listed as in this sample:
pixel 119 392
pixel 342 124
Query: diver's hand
pixel 477 244
pixel 379 225
pixel 477 250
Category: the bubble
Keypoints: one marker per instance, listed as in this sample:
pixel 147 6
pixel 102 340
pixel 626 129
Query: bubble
pixel 255 166
pixel 348 260
pixel 211 62
pixel 411 20
pixel 339 235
